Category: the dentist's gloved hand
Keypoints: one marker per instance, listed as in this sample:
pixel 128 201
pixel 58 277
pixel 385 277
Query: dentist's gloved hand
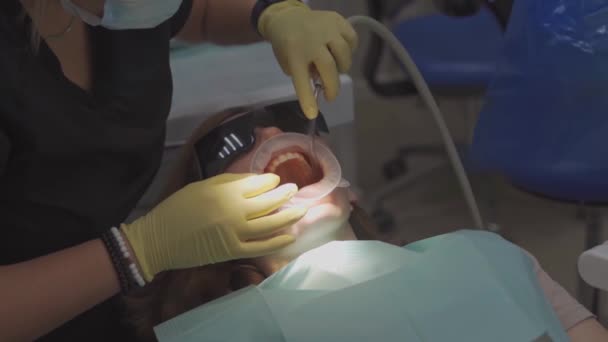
pixel 226 217
pixel 304 40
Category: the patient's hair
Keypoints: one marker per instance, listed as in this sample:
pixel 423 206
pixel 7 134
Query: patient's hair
pixel 174 292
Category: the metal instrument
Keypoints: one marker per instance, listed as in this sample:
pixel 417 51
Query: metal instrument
pixel 312 125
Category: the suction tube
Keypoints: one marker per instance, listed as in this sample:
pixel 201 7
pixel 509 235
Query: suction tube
pixel 429 100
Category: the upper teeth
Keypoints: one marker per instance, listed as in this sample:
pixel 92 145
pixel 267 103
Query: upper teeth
pixel 283 158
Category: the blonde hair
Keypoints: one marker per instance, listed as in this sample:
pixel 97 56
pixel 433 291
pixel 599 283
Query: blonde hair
pixel 37 10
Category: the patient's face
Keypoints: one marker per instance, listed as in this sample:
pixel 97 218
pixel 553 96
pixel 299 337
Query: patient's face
pixel 327 216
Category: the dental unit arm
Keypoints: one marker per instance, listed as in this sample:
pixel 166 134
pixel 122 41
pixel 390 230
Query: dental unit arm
pixel 593 266
pixel 426 95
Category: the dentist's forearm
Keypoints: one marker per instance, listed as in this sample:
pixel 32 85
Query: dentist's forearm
pixel 40 295
pixel 220 22
pixel 229 22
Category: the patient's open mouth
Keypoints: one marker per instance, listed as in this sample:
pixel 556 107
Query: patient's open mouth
pixel 294 167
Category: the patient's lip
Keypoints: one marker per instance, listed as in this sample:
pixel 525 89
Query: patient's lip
pixel 292 165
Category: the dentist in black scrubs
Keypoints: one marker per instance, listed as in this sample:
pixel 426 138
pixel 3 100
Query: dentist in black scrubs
pixel 85 90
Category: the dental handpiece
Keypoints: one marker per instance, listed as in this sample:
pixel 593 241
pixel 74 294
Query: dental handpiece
pixel 312 125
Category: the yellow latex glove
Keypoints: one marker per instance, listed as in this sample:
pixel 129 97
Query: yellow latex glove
pixel 306 41
pixel 222 218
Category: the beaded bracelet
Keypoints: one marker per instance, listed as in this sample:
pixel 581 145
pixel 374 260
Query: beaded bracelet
pixel 117 262
pixel 135 274
pixel 126 269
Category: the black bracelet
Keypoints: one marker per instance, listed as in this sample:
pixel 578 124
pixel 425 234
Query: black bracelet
pixel 117 260
pixel 258 8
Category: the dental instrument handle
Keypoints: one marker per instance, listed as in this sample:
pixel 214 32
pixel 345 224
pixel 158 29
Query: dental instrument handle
pixel 312 125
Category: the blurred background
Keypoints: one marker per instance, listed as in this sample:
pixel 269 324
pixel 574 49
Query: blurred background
pixel 553 231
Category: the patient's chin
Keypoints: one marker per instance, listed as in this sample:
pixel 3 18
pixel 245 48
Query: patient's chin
pixel 273 263
pixel 326 221
pixel 270 265
pixel 322 224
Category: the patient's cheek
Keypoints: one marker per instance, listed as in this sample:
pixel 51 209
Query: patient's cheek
pixel 241 165
pixel 340 198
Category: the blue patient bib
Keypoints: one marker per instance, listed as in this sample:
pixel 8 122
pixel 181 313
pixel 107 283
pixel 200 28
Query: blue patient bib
pixel 465 286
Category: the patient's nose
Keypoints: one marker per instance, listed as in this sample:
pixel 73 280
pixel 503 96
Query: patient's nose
pixel 265 133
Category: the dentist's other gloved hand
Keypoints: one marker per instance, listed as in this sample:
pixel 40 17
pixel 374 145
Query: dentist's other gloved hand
pixel 226 217
pixel 304 40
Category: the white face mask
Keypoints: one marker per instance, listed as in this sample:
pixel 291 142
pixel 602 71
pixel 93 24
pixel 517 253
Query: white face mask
pixel 127 14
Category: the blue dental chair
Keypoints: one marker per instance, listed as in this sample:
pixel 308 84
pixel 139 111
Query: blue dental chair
pixel 456 51
pixel 454 70
pixel 579 176
pixel 544 126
